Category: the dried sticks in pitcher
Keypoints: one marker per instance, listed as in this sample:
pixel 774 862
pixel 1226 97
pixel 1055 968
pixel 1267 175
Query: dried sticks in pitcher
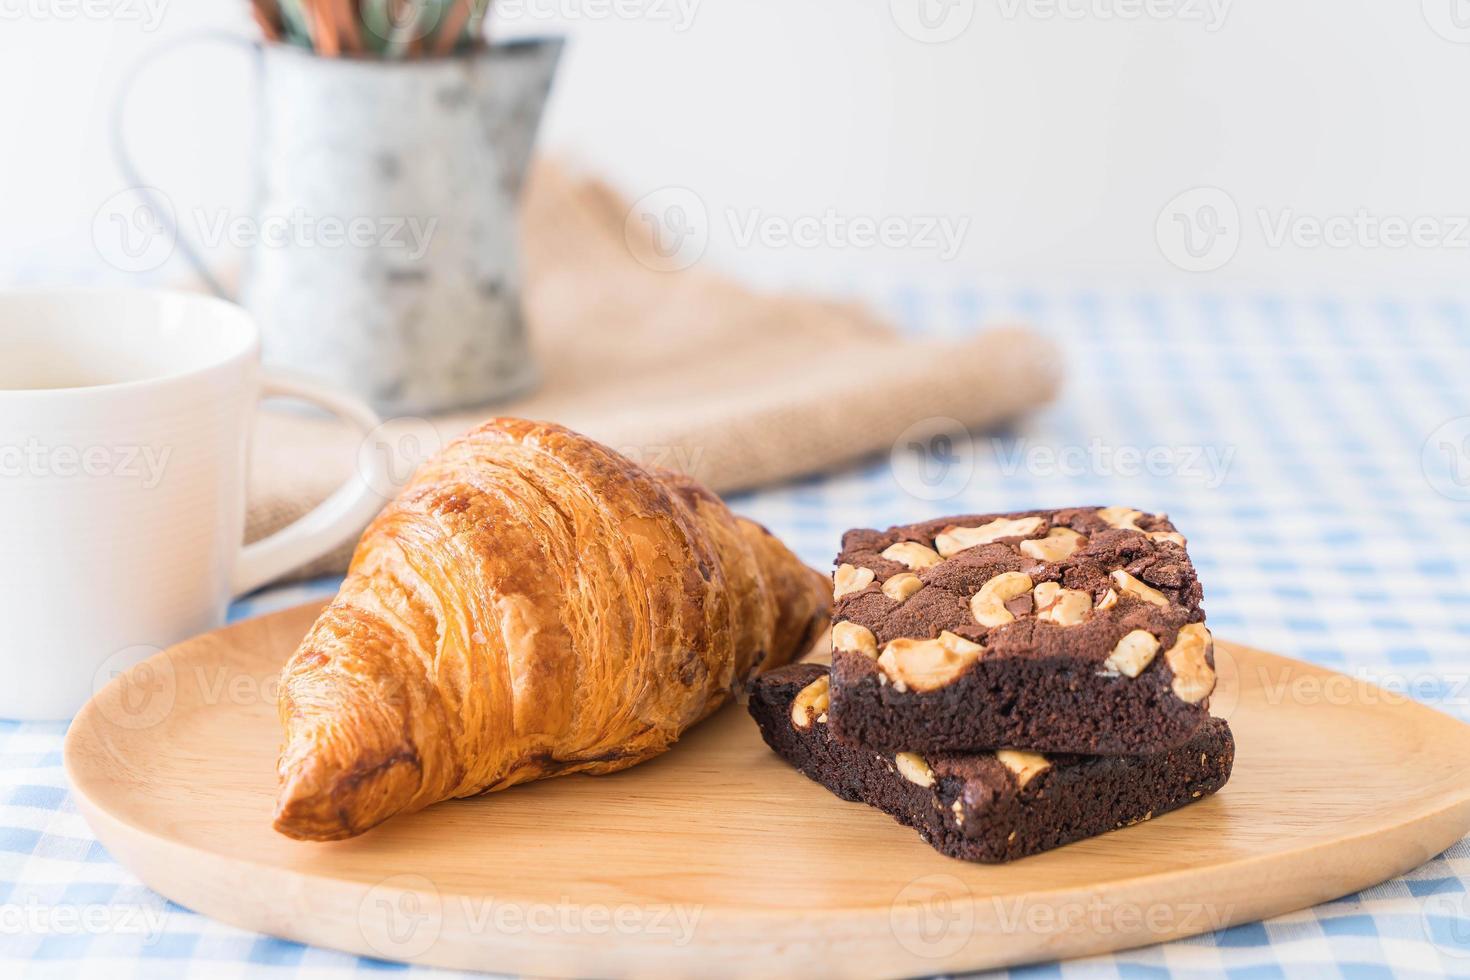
pixel 374 28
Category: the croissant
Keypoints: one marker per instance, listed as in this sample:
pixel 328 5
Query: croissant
pixel 533 604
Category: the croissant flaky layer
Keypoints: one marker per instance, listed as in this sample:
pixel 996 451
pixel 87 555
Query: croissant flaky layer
pixel 532 604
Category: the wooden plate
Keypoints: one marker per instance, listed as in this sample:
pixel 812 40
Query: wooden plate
pixel 718 858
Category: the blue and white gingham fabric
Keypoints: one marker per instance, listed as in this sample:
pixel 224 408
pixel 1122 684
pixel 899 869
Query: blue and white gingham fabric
pixel 1315 450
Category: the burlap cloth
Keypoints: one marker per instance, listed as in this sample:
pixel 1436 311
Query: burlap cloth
pixel 681 369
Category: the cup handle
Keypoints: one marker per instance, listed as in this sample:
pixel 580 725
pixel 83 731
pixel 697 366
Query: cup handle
pixel 335 519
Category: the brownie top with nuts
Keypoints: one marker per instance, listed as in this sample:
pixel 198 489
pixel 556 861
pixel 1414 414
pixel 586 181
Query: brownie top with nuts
pixel 1030 584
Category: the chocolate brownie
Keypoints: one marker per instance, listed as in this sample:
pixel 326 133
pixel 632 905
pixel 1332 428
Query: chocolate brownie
pixel 989 807
pixel 1075 630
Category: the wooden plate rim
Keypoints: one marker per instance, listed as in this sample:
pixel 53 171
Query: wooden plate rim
pixel 1442 810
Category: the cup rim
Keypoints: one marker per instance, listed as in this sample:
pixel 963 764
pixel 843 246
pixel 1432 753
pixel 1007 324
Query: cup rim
pixel 247 349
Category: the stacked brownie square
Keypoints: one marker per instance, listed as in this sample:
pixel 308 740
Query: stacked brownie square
pixel 1007 683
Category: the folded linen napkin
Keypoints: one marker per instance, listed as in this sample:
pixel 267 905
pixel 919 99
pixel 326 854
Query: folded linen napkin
pixel 680 369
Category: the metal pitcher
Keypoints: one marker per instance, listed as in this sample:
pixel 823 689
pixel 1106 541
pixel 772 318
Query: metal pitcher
pixel 385 253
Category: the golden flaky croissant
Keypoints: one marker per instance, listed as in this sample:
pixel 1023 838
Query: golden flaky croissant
pixel 532 604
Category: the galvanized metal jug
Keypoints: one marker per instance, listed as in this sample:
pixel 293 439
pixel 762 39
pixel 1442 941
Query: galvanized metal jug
pixel 385 258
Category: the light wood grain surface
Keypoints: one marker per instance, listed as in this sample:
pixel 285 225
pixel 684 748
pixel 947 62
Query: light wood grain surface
pixel 717 858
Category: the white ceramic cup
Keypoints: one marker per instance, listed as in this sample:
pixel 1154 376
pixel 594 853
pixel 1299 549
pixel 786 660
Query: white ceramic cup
pixel 125 421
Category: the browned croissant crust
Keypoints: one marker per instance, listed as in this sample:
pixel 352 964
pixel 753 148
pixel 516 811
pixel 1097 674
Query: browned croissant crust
pixel 532 604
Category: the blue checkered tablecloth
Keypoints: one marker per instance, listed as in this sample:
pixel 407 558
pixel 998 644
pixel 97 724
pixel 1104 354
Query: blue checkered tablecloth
pixel 1316 451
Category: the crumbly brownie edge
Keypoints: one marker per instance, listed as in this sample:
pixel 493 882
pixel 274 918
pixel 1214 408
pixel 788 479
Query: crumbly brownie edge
pixel 1087 796
pixel 976 809
pixel 1042 705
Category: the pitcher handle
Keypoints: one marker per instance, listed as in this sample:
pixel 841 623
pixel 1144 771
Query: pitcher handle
pixel 129 169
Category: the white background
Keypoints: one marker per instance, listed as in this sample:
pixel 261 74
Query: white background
pixel 1054 132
